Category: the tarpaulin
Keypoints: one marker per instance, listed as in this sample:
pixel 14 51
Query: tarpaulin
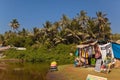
pixel 116 50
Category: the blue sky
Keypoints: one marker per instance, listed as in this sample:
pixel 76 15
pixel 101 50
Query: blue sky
pixel 34 13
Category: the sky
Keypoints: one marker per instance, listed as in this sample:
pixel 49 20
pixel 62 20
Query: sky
pixel 34 13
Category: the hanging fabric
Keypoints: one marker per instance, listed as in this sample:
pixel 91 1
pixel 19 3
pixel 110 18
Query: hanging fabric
pixel 84 53
pixel 97 52
pixel 105 49
pixel 77 52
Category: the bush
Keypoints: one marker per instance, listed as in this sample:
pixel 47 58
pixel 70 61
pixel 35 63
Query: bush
pixel 60 53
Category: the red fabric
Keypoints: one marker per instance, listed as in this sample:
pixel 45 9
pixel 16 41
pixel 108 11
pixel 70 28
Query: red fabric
pixel 97 55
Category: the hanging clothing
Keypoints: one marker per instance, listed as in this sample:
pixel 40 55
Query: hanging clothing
pixel 84 53
pixel 93 50
pixel 105 49
pixel 98 65
pixel 77 52
pixel 90 51
pixel 97 53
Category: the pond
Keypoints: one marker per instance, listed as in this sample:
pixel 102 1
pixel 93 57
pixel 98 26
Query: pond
pixel 23 71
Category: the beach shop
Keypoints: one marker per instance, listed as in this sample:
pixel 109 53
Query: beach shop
pixel 95 54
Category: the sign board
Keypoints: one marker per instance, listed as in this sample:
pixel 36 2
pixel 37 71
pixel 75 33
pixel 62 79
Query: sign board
pixel 93 77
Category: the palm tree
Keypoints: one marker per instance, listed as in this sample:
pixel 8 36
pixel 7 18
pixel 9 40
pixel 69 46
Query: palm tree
pixel 24 32
pixel 36 32
pixel 64 22
pixel 49 33
pixel 91 28
pixel 65 27
pixel 14 24
pixel 103 25
pixel 82 19
pixel 70 30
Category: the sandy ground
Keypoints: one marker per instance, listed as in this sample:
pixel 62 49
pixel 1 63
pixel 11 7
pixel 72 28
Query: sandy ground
pixel 69 72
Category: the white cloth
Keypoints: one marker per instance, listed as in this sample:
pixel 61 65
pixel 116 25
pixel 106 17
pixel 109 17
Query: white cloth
pixel 106 48
pixel 98 65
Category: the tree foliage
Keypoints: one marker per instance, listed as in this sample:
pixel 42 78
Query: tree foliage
pixel 14 24
pixel 67 31
pixel 54 37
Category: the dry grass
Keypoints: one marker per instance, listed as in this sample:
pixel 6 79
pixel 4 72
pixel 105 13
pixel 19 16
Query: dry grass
pixel 69 72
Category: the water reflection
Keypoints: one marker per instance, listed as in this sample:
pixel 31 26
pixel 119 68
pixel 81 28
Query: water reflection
pixel 24 71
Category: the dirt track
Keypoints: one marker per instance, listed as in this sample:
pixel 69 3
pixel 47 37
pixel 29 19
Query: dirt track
pixel 69 72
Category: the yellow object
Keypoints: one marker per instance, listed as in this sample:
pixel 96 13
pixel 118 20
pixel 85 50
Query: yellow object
pixel 84 54
pixel 54 63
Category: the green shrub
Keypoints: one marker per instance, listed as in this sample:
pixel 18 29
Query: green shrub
pixel 41 54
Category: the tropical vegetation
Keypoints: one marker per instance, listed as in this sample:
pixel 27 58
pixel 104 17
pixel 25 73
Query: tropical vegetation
pixel 54 41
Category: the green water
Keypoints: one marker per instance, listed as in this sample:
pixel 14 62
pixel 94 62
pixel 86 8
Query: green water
pixel 26 71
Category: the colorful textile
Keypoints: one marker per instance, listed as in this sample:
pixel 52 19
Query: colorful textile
pixel 84 53
pixel 77 52
pixel 105 49
pixel 92 61
pixel 90 51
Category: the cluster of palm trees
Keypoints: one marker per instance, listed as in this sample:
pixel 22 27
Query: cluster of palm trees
pixel 80 28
